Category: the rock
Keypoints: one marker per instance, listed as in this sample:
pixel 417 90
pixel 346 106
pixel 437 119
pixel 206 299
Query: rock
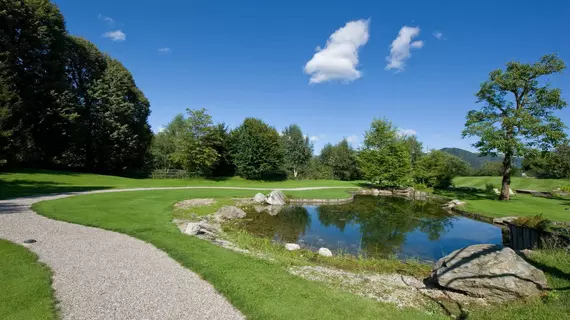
pixel 292 246
pixel 452 204
pixel 385 193
pixel 193 228
pixel 404 192
pixel 511 192
pixel 276 197
pixel 496 191
pixel 504 220
pixel 273 210
pixel 325 252
pixel 229 213
pixel 375 192
pixel 259 208
pixel 259 198
pixel 489 271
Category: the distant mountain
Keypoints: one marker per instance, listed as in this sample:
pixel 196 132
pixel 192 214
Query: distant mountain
pixel 475 160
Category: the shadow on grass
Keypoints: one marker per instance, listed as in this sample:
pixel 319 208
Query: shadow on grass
pixel 466 194
pixel 24 188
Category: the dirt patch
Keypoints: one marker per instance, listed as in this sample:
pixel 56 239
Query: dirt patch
pixel 403 291
pixel 190 203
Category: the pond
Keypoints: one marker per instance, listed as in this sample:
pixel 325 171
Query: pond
pixel 373 227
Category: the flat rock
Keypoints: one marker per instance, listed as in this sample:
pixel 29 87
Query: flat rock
pixel 274 209
pixel 504 220
pixel 193 228
pixel 489 271
pixel 276 197
pixel 292 246
pixel 325 252
pixel 229 213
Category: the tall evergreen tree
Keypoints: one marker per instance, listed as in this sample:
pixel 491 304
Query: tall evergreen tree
pixel 298 150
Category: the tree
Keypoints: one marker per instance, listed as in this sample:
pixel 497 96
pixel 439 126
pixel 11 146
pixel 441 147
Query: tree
pixel 33 121
pixel 224 166
pixel 550 164
pixel 385 158
pixel 121 130
pixel 85 65
pixel 298 150
pixel 341 158
pixel 511 126
pixel 194 149
pixel 438 168
pixel 257 150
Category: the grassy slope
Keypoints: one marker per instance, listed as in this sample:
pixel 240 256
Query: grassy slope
pixel 260 289
pixel 34 182
pixel 516 183
pixel 25 285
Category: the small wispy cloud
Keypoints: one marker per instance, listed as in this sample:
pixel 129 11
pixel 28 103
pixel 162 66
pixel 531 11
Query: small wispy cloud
pixel 407 132
pixel 400 48
pixel 352 139
pixel 317 138
pixel 108 20
pixel 116 35
pixel 164 50
pixel 438 35
pixel 339 58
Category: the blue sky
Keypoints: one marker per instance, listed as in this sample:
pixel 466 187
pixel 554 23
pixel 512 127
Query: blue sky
pixel 243 59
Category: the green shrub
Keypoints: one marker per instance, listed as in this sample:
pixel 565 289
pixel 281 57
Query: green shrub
pixel 490 188
pixel 422 187
pixel 565 188
pixel 537 222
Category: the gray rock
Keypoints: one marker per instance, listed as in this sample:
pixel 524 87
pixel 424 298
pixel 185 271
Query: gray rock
pixel 452 204
pixel 259 208
pixel 274 209
pixel 276 197
pixel 193 228
pixel 325 252
pixel 229 213
pixel 504 220
pixel 489 271
pixel 375 192
pixel 259 198
pixel 496 191
pixel 292 246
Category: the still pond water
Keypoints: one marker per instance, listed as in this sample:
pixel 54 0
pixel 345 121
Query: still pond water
pixel 374 226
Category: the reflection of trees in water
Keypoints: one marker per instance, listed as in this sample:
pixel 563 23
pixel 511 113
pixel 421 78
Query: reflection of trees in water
pixel 385 221
pixel 287 226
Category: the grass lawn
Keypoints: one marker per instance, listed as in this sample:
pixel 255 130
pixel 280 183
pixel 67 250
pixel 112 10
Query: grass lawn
pixel 35 182
pixel 520 205
pixel 25 285
pixel 260 289
pixel 516 183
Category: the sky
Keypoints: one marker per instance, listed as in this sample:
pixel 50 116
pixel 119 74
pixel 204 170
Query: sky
pixel 329 66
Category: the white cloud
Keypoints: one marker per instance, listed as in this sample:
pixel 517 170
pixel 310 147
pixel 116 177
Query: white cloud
pixel 317 138
pixel 438 35
pixel 407 132
pixel 164 50
pixel 116 35
pixel 352 139
pixel 160 129
pixel 108 20
pixel 400 48
pixel 339 59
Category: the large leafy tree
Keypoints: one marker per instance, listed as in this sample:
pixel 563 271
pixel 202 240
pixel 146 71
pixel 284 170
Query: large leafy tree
pixel 341 158
pixel 121 131
pixel 85 66
pixel 437 169
pixel 518 113
pixel 298 150
pixel 256 149
pixel 32 83
pixel 385 158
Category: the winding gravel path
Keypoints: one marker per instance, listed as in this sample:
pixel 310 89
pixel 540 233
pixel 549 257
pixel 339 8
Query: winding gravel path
pixel 100 274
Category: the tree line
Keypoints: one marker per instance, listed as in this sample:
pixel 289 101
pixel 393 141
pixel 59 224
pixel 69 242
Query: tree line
pixel 255 150
pixel 64 103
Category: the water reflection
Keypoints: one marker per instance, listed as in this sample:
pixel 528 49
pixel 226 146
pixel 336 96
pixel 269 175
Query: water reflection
pixel 376 226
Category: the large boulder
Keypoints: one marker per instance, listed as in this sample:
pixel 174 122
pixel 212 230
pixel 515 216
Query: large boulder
pixel 229 213
pixel 489 271
pixel 259 198
pixel 276 197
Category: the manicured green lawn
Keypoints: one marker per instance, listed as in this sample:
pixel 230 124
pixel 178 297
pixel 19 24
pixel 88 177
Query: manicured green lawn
pixel 34 182
pixel 261 289
pixel 520 205
pixel 25 285
pixel 516 183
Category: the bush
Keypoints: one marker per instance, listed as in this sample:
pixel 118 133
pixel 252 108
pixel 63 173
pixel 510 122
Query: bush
pixel 565 188
pixel 422 187
pixel 537 222
pixel 490 188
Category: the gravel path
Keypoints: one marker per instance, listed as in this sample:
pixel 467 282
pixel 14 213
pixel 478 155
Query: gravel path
pixel 101 274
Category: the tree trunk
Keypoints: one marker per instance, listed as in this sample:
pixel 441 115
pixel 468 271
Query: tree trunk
pixel 295 173
pixel 507 170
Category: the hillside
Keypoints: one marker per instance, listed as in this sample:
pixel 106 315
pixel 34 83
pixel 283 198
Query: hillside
pixel 474 159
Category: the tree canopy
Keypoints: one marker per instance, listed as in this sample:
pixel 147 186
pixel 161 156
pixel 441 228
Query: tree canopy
pixel 518 113
pixel 298 150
